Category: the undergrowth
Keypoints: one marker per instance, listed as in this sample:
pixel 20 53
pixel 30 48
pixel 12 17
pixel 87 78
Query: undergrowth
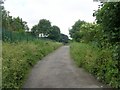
pixel 18 58
pixel 97 61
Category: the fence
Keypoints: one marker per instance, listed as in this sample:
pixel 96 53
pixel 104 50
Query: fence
pixel 15 36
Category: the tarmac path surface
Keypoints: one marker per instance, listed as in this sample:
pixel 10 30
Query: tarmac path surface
pixel 58 70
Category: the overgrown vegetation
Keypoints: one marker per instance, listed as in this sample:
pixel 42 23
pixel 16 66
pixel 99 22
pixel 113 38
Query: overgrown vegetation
pixel 96 61
pixel 100 52
pixel 19 57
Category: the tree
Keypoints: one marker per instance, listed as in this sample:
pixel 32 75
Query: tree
pixel 45 30
pixel 108 18
pixel 89 32
pixel 54 33
pixel 75 28
pixel 34 31
pixel 44 26
pixel 13 24
pixel 17 24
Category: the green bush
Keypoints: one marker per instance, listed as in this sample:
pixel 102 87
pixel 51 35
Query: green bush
pixel 96 61
pixel 19 57
pixel 83 54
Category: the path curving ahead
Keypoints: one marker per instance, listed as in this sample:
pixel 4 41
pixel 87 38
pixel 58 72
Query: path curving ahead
pixel 57 70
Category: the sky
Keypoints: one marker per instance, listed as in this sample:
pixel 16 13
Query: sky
pixel 62 13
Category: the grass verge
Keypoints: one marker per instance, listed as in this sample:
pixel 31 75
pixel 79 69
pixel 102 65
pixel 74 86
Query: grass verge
pixel 96 61
pixel 18 58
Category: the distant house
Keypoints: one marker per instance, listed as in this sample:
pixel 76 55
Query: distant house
pixel 42 35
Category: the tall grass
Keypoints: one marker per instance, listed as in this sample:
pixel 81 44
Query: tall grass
pixel 19 57
pixel 96 61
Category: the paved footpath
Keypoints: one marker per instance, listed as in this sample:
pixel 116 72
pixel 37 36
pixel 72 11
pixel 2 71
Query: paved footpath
pixel 58 70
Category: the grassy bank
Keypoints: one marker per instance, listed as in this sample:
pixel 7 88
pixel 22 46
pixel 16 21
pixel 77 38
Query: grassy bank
pixel 96 61
pixel 19 58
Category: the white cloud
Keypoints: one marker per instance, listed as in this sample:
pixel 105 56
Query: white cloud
pixel 62 13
